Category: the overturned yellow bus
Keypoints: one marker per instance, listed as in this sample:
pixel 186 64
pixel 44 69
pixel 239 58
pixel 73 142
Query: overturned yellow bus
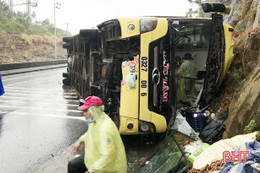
pixel 132 64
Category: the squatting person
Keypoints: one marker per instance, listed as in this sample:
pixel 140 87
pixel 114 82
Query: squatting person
pixel 104 149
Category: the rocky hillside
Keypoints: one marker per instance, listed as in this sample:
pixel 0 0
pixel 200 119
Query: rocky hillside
pixel 28 48
pixel 240 91
pixel 23 39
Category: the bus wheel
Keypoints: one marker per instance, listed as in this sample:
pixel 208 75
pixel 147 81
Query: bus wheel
pixel 66 82
pixel 66 75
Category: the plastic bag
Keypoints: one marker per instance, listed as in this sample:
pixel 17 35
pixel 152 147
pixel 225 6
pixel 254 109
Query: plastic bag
pixel 197 152
pixel 212 132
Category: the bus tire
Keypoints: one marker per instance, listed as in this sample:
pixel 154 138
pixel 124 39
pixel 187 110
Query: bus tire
pixel 66 82
pixel 66 75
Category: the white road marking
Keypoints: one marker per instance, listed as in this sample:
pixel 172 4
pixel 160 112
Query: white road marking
pixel 35 89
pixel 26 90
pixel 45 108
pixel 46 103
pixel 40 99
pixel 28 81
pixel 19 100
pixel 47 115
pixel 30 75
pixel 26 93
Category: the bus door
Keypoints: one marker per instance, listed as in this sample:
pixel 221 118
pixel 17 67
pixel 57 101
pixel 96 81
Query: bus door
pixel 129 97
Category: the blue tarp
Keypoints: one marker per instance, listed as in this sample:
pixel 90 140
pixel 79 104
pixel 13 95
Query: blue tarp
pixel 1 86
pixel 252 165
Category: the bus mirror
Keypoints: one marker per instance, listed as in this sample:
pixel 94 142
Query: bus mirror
pixel 215 7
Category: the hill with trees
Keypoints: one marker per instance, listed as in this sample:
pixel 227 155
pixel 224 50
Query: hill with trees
pixel 23 39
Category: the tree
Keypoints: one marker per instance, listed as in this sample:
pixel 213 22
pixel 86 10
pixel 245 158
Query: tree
pixel 195 1
pixel 199 11
pixel 5 12
pixel 23 18
pixel 33 16
pixel 22 23
pixel 46 22
pixel 191 12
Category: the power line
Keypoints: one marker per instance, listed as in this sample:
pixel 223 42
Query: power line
pixel 27 3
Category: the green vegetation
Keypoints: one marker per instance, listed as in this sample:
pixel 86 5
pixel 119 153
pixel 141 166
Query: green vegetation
pixel 258 136
pixel 192 12
pixel 198 12
pixel 251 127
pixel 240 26
pixel 21 23
pixel 252 13
pixel 246 7
pixel 26 40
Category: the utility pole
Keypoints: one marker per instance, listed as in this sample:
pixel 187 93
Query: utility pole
pixel 28 7
pixel 11 4
pixel 56 5
pixel 67 26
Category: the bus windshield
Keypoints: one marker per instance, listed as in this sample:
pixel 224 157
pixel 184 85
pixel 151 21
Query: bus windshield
pixel 191 40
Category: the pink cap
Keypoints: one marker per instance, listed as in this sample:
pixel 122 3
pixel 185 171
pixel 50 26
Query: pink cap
pixel 90 101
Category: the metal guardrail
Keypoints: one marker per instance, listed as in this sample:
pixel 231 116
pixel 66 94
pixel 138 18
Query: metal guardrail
pixel 13 66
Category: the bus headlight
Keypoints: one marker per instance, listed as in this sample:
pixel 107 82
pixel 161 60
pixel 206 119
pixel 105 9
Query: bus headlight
pixel 146 127
pixel 131 27
pixel 147 25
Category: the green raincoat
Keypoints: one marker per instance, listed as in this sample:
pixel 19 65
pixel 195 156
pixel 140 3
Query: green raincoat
pixel 187 81
pixel 104 149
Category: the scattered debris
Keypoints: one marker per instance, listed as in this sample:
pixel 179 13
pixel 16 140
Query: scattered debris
pixel 214 166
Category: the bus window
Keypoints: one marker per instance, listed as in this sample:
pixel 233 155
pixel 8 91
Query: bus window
pixel 191 46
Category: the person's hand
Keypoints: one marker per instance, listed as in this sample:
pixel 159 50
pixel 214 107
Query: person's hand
pixel 75 147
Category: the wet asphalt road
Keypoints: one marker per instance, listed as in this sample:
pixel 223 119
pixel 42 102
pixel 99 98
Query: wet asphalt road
pixel 38 120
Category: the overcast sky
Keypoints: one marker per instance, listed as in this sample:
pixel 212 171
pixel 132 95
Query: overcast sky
pixel 83 14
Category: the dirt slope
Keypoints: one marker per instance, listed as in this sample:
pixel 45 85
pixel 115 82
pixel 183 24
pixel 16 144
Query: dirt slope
pixel 28 48
pixel 240 91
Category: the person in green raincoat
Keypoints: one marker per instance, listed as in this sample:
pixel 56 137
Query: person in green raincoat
pixel 104 149
pixel 187 73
